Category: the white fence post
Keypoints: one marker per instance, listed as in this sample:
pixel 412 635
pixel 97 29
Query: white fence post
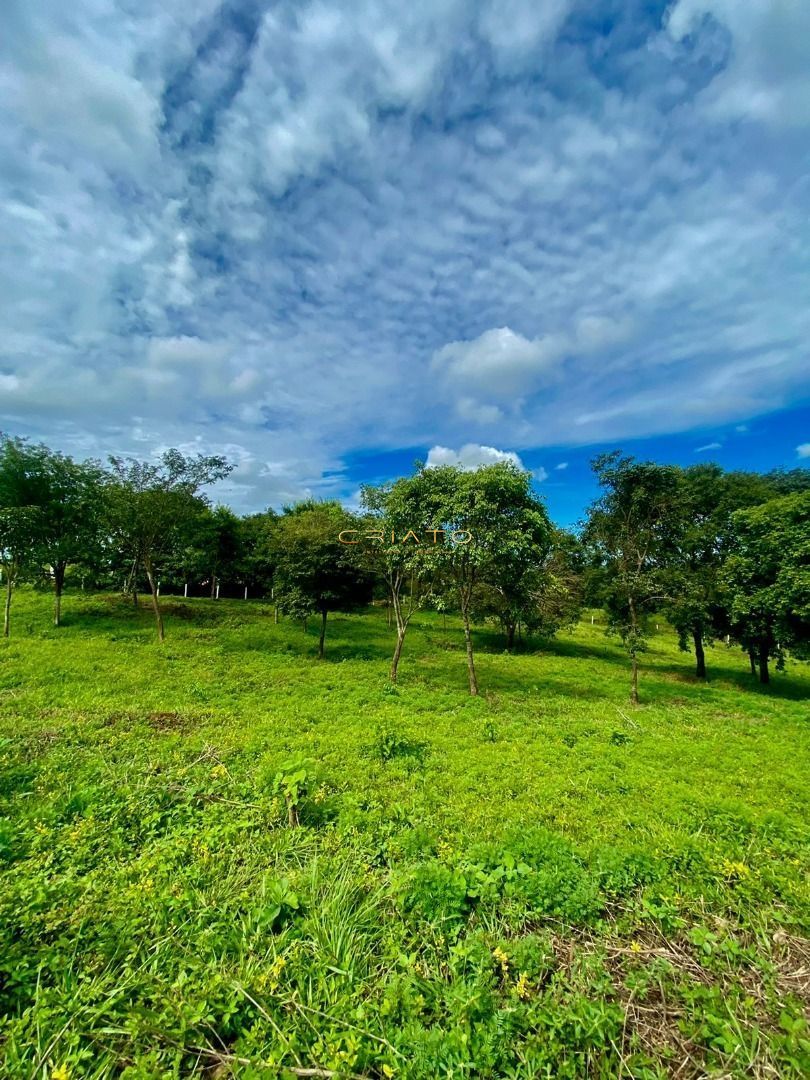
pixel 246 592
pixel 217 592
pixel 185 590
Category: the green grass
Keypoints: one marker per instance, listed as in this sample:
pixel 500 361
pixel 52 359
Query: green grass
pixel 542 881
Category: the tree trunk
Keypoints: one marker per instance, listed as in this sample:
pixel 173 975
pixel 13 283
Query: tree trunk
pixel 395 604
pixel 58 585
pixel 388 615
pixel 130 585
pixel 764 674
pixel 633 654
pixel 155 603
pixel 510 636
pixel 700 655
pixel 752 659
pixel 213 586
pixel 7 611
pixel 323 635
pixel 634 680
pixel 397 654
pixel 465 615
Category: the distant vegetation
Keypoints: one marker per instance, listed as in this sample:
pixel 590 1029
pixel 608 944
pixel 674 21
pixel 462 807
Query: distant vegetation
pixel 724 555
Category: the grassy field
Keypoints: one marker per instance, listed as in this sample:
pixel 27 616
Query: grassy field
pixel 537 882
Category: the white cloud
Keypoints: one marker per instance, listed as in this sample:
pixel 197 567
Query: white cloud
pixel 471 456
pixel 562 465
pixel 803 450
pixel 708 446
pixel 540 474
pixel 499 362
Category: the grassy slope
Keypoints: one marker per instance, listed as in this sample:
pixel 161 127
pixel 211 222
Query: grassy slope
pixel 537 882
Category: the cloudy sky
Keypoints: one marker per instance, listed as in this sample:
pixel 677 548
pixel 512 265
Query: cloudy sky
pixel 327 238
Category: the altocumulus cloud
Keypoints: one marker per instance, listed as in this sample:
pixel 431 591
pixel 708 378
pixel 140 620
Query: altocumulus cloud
pixel 290 230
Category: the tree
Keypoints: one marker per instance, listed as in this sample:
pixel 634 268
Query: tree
pixel 70 520
pixel 494 529
pixel 394 510
pixel 22 497
pixel 256 562
pixel 214 549
pixel 314 571
pixel 767 579
pixel 627 534
pixel 148 504
pixel 699 541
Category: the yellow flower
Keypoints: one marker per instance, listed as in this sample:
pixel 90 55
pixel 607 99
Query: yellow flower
pixel 735 869
pixel 499 955
pixel 522 986
pixel 60 1073
pixel 635 947
pixel 387 1071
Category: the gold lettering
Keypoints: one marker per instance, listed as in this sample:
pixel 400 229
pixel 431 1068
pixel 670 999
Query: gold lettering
pixel 435 533
pixel 410 532
pixel 376 535
pixel 462 532
pixel 342 534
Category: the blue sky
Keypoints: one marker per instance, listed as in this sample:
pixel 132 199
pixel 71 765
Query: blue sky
pixel 327 238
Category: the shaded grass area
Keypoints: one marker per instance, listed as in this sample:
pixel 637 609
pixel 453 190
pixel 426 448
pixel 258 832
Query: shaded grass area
pixel 538 882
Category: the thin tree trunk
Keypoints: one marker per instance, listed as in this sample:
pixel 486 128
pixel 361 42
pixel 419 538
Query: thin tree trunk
pixel 633 654
pixel 213 586
pixel 7 611
pixel 131 583
pixel 510 636
pixel 634 681
pixel 323 635
pixel 752 659
pixel 396 656
pixel 764 673
pixel 402 621
pixel 155 603
pixel 58 584
pixel 700 654
pixel 465 615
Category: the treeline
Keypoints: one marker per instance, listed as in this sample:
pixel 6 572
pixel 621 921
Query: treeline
pixel 719 554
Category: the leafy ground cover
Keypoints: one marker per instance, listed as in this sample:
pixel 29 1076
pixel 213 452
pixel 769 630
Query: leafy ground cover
pixel 537 882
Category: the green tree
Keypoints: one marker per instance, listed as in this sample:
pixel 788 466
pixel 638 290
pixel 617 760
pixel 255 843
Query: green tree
pixel 628 534
pixel 699 541
pixel 71 519
pixel 767 579
pixel 22 498
pixel 148 505
pixel 395 510
pixel 494 527
pixel 256 561
pixel 213 550
pixel 314 571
